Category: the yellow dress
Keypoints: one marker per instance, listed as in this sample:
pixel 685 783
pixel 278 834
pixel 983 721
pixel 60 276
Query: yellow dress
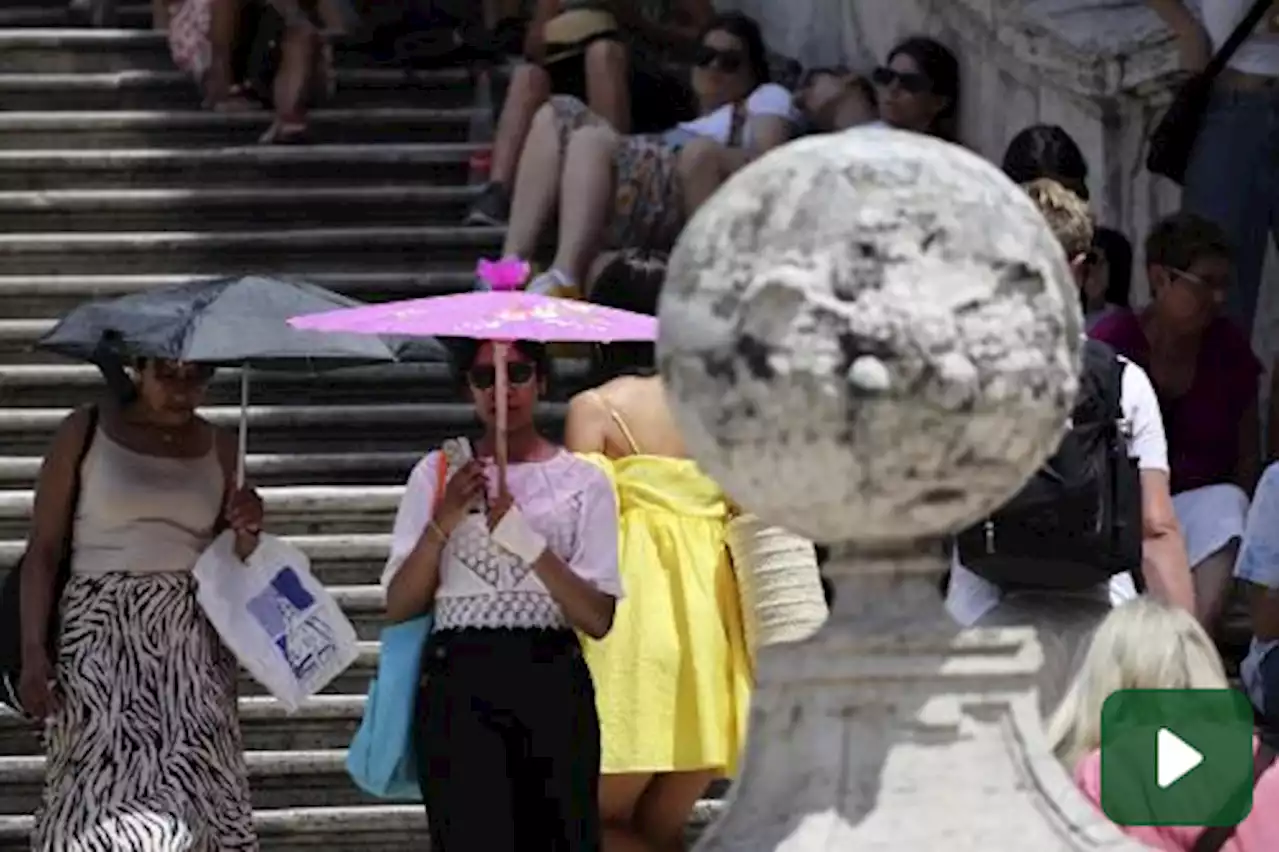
pixel 672 678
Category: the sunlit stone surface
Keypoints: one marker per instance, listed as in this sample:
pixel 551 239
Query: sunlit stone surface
pixel 872 339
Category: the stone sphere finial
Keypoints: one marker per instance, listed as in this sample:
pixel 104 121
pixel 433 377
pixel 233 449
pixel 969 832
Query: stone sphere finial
pixel 870 336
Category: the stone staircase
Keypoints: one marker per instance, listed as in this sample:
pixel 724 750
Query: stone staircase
pixel 112 181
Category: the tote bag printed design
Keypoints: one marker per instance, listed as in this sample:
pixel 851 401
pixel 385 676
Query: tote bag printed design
pixel 296 625
pixel 275 617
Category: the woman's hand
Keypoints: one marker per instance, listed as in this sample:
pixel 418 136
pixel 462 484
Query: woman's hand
pixel 509 529
pixel 244 514
pixel 466 484
pixel 35 688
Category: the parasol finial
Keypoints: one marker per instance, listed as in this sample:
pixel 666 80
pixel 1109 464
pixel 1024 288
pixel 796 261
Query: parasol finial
pixel 509 273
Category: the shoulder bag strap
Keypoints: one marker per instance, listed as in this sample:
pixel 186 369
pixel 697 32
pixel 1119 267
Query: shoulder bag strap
pixel 91 429
pixel 1237 38
pixel 1213 839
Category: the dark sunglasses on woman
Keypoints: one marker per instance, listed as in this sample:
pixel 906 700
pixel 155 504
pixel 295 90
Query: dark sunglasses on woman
pixel 485 376
pixel 727 61
pixel 909 82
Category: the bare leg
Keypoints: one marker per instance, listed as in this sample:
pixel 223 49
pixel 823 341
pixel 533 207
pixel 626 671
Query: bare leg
pixel 537 186
pixel 160 15
pixel 608 83
pixel 298 52
pixel 702 168
pixel 586 198
pixel 619 795
pixel 1212 578
pixel 665 807
pixel 528 90
pixel 224 18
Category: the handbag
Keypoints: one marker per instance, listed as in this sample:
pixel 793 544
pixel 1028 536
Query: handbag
pixel 779 585
pixel 1169 151
pixel 380 759
pixel 1213 839
pixel 11 593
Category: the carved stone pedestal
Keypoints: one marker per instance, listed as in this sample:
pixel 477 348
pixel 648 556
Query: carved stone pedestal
pixel 872 339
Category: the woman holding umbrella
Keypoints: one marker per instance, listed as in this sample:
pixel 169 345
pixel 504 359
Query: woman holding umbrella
pixel 142 737
pixel 511 565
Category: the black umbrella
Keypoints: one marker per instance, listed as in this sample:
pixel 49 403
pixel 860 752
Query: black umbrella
pixel 240 322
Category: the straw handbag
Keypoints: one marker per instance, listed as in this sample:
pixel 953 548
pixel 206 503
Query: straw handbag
pixel 778 582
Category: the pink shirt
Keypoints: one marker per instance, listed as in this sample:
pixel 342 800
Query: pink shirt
pixel 1258 832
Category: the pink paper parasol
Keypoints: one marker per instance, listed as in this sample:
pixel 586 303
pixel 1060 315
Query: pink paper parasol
pixel 499 316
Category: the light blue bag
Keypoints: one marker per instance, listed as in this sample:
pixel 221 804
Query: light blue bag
pixel 381 757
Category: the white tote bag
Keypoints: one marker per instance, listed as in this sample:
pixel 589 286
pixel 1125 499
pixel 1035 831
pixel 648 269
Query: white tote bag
pixel 275 617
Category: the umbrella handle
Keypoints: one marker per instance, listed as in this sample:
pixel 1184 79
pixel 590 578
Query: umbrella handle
pixel 242 445
pixel 500 409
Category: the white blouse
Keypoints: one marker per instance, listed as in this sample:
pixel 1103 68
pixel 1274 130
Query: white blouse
pixel 565 499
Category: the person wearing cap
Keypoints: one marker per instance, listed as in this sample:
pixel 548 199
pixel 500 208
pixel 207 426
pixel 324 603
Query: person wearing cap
pixel 607 53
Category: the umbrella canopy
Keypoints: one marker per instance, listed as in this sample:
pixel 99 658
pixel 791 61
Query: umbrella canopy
pixel 228 322
pixel 491 315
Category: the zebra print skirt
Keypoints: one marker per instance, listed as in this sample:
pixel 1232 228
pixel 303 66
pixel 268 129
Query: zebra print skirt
pixel 144 752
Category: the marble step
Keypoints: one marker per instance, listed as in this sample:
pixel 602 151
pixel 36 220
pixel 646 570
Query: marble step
pixel 48 385
pixel 62 50
pixel 279 779
pixel 322 722
pixel 42 170
pixel 337 558
pixel 297 428
pixel 38 297
pixel 158 89
pixel 291 509
pixel 37 130
pixel 46 14
pixel 271 469
pixel 359 828
pixel 241 208
pixel 262 251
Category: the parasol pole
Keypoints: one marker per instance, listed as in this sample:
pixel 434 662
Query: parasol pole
pixel 243 442
pixel 500 410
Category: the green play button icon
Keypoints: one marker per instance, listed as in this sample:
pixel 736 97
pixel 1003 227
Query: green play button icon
pixel 1177 757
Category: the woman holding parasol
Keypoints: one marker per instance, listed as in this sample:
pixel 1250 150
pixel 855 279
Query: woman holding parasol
pixel 511 563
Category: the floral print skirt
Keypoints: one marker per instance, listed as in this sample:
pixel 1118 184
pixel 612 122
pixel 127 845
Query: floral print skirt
pixel 648 205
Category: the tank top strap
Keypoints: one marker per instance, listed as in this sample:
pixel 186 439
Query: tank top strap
pixel 617 419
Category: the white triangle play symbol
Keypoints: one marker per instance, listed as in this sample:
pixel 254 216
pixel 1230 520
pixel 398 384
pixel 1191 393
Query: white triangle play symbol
pixel 1174 758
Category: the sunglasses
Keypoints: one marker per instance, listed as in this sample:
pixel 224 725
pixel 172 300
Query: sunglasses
pixel 909 82
pixel 1211 288
pixel 727 61
pixel 485 376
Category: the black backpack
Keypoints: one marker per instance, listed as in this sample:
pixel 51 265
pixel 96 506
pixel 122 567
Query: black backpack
pixel 1078 521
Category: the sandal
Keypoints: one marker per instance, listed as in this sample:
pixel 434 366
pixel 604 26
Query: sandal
pixel 285 133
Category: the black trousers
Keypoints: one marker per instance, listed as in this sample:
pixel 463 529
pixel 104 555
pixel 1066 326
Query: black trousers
pixel 508 743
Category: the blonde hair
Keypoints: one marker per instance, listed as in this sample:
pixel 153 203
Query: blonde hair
pixel 1068 215
pixel 1140 645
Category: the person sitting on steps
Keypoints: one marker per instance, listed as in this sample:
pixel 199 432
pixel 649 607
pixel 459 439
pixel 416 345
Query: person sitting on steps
pixel 618 191
pixel 1031 561
pixel 1206 379
pixel 610 56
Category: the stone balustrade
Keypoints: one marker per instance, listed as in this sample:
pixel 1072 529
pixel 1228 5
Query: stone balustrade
pixel 873 339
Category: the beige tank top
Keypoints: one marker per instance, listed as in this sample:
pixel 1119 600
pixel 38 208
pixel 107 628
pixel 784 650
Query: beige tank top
pixel 143 514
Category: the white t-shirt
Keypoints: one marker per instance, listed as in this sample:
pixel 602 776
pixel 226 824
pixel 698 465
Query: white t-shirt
pixel 969 597
pixel 769 99
pixel 1261 51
